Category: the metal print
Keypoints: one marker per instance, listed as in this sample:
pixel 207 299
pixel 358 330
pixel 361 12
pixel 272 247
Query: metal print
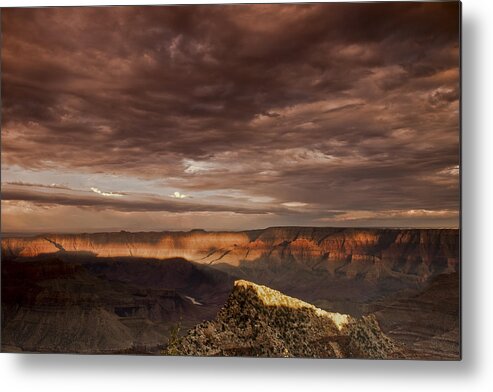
pixel 232 180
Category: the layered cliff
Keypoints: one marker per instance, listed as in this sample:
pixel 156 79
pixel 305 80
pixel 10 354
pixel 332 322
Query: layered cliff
pixel 121 292
pixel 261 322
pixel 414 254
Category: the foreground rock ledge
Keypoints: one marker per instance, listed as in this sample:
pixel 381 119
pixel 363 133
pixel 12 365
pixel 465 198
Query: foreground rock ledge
pixel 258 321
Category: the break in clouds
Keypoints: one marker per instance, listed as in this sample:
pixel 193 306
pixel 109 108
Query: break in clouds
pixel 230 117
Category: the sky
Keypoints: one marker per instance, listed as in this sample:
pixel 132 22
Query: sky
pixel 230 117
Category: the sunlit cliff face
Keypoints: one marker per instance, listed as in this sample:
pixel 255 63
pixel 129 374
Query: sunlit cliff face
pixel 274 298
pixel 230 117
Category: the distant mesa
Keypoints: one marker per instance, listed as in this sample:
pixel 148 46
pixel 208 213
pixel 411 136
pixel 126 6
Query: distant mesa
pixel 410 255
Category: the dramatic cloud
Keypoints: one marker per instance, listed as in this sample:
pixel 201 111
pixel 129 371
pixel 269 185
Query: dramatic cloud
pixel 109 194
pixel 134 202
pixel 256 115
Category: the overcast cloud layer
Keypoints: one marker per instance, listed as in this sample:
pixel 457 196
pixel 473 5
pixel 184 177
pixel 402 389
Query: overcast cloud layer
pixel 230 117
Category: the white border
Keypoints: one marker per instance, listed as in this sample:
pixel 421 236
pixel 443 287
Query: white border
pixel 35 373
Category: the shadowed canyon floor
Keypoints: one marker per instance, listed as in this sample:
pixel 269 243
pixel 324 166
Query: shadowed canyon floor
pixel 85 304
pixel 126 292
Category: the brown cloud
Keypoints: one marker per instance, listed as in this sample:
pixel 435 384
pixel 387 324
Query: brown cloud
pixel 340 106
pixel 97 199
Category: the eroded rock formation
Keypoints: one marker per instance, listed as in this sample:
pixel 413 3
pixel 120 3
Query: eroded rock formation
pixel 261 322
pixel 372 254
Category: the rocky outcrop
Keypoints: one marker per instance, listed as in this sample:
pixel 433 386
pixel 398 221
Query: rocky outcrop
pixel 261 322
pixel 372 254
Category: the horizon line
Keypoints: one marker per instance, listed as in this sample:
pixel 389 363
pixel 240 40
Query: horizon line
pixel 37 233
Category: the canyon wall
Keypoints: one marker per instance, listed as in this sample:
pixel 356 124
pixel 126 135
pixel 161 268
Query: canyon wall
pixel 369 253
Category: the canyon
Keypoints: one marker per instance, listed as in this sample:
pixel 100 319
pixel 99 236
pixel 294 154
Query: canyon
pixel 127 291
pixel 421 252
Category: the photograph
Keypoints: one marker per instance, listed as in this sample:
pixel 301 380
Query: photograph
pixel 232 180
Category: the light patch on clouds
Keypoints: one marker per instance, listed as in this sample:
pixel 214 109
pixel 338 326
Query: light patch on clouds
pixel 404 134
pixel 294 156
pixel 108 194
pixel 448 177
pixel 192 166
pixel 304 110
pixel 428 212
pixel 261 199
pixel 294 204
pixel 27 184
pixel 178 195
pixel 453 171
pixel 346 216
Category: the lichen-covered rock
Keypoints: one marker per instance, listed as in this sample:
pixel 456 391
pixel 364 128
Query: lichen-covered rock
pixel 261 322
pixel 366 340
